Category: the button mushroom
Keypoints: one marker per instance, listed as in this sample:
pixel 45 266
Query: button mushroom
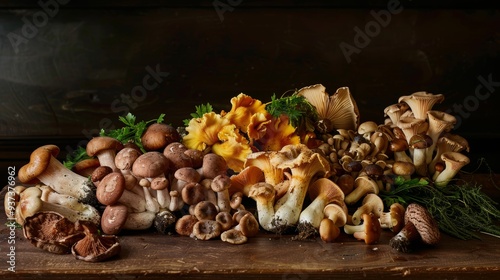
pixel 148 166
pixel 46 168
pixel 419 226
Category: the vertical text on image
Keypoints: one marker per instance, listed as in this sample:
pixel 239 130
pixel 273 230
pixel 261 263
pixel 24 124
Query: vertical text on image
pixel 11 223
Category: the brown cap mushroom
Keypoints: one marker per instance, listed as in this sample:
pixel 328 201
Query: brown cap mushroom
pixel 213 165
pixel 114 218
pixel 184 225
pixel 248 225
pixel 44 167
pixel 206 229
pixel 233 236
pixel 394 219
pixel 158 135
pixel 372 203
pixel 420 226
pixel 205 210
pixel 369 231
pixel 104 148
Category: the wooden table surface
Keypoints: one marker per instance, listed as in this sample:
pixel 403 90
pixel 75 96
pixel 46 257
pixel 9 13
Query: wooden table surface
pixel 149 255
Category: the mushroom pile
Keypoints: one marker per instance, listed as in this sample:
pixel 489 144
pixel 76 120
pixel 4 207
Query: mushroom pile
pixel 313 180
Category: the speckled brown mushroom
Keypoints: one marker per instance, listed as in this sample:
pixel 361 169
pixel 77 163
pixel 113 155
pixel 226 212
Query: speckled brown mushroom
pixel 220 185
pixel 233 236
pixel 419 226
pixel 158 135
pixel 205 210
pixel 248 225
pixel 206 229
pixel 184 225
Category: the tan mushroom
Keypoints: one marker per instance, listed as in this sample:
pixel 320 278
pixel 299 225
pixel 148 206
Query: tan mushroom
pixel 95 247
pixel 421 102
pixel 454 161
pixel 105 149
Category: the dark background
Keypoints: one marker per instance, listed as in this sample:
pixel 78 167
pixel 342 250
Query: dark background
pixel 74 75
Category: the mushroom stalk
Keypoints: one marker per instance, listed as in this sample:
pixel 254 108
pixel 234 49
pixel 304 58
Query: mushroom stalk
pixel 405 238
pixel 65 181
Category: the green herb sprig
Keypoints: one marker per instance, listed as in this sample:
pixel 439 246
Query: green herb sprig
pixel 132 131
pixel 200 111
pixel 460 210
pixel 77 155
pixel 300 112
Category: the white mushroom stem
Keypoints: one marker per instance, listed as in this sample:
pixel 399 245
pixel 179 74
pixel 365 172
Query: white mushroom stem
pixel 419 160
pixel 313 213
pixel 133 201
pixel 65 181
pixel 176 202
pixel 31 202
pixel 151 204
pixel 139 221
pixel 107 158
pixel 453 163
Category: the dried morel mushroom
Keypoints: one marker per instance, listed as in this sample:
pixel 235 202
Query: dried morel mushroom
pixel 51 232
pixel 95 247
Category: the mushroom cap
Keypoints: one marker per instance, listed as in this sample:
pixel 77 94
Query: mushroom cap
pixel 403 168
pixel 372 203
pixel 233 236
pixel 420 141
pixel 328 231
pixel 371 230
pixel 453 143
pixel 86 167
pixel 367 127
pixel 99 174
pixel 187 174
pixel 395 111
pixel 184 225
pixel 411 126
pixel 221 183
pixel 102 143
pixel 150 165
pixel 297 157
pixel 225 219
pixel 262 160
pixel 398 145
pixel 346 183
pixel 175 152
pixel 159 183
pixel 336 211
pixel 420 102
pixel 327 189
pixel 242 181
pixel 51 232
pixel 213 165
pixel 423 221
pixel 111 188
pixel 374 171
pixel 339 109
pixel 193 193
pixel 94 247
pixel 262 191
pixel 397 213
pixel 113 218
pixel 248 225
pixel 455 159
pixel 207 229
pixel 205 210
pixel 39 161
pixel 125 158
pixel 158 135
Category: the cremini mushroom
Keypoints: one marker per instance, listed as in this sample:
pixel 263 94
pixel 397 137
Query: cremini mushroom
pixel 403 168
pixel 454 161
pixel 147 166
pixel 399 147
pixel 225 219
pixel 105 149
pixel 205 210
pixel 95 247
pixel 44 166
pixel 111 190
pixel 304 164
pixel 419 143
pixel 212 166
pixel 180 156
pixel 372 203
pixel 248 225
pixel 158 135
pixel 185 224
pixel 419 226
pixel 116 218
pixel 369 231
pixel 124 160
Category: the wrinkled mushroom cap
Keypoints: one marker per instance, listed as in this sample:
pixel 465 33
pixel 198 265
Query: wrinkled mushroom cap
pixel 39 161
pixel 423 221
pixel 51 232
